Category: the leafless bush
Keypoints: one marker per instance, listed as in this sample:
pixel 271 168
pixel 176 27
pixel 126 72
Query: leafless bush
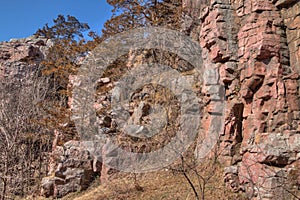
pixel 23 140
pixel 198 174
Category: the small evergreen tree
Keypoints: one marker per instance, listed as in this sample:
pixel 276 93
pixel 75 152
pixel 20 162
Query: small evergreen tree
pixel 129 14
pixel 63 59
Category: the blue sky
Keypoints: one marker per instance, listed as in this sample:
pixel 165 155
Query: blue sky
pixel 22 18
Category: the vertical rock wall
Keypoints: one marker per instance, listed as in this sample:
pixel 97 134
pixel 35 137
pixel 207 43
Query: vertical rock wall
pixel 254 48
pixel 254 45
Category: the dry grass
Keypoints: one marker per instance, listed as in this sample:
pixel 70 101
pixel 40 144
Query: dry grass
pixel 163 185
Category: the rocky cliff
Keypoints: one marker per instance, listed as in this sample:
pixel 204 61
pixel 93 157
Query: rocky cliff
pixel 23 143
pixel 254 48
pixel 19 55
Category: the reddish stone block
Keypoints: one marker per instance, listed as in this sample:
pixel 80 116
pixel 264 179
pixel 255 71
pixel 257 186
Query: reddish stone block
pixel 295 23
pixel 247 109
pixel 268 106
pixel 262 5
pixel 293 102
pixel 291 86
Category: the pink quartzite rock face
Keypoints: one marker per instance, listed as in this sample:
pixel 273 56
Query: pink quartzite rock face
pixel 72 168
pixel 21 55
pixel 255 45
pixel 254 48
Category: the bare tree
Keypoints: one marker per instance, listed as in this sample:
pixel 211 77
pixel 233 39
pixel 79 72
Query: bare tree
pixel 196 173
pixel 23 140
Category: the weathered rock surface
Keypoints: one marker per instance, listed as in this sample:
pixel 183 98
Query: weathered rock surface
pixel 250 46
pixel 19 56
pixel 72 169
pixel 255 46
pixel 72 166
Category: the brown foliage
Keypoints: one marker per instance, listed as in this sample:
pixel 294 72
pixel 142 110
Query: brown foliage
pixel 128 14
pixel 63 59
